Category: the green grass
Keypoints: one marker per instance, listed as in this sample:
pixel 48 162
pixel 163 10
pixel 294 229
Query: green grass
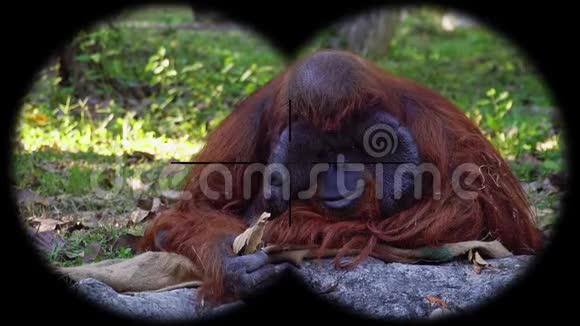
pixel 79 241
pixel 161 91
pixel 487 77
pixel 161 14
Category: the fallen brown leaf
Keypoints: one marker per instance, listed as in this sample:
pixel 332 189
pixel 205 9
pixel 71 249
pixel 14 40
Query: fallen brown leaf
pixel 137 230
pixel 478 262
pixel 247 242
pixel 139 215
pixel 156 205
pixel 492 249
pixel 438 301
pixel 72 222
pixel 46 224
pixel 146 209
pixel 88 219
pixel 39 118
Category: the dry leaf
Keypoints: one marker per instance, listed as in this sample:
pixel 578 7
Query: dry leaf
pixel 139 215
pixel 156 205
pixel 151 204
pixel 493 249
pixel 297 253
pixel 440 302
pixel 73 222
pixel 40 118
pixel 45 224
pixel 89 219
pixel 247 242
pixel 148 271
pixel 137 230
pixel 478 262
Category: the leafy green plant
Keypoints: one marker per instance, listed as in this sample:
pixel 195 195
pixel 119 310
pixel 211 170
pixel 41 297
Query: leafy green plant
pixel 124 253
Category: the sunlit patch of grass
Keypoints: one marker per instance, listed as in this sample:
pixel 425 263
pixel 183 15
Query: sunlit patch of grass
pixel 34 139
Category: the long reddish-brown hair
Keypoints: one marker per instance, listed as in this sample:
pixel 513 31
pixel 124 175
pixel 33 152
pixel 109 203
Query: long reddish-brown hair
pixel 445 137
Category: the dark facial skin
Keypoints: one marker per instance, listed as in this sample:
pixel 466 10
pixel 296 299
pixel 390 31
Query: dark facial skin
pixel 340 184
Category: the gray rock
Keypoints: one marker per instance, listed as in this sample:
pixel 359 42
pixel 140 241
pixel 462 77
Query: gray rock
pixel 174 305
pixel 374 289
pixel 394 290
